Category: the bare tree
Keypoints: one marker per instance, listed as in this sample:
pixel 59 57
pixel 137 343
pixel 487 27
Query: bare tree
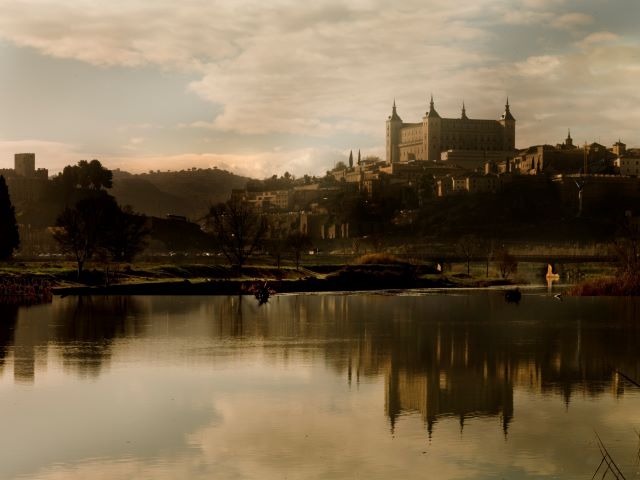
pixel 238 228
pixel 298 242
pixel 627 246
pixel 488 249
pixel 507 263
pixel 467 247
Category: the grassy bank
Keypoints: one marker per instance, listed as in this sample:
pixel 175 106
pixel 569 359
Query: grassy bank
pixel 623 285
pixel 369 272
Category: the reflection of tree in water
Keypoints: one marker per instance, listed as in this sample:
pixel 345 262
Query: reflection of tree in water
pixel 87 327
pixel 229 317
pixel 8 317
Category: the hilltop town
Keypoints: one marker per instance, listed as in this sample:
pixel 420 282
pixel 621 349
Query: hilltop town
pixel 442 178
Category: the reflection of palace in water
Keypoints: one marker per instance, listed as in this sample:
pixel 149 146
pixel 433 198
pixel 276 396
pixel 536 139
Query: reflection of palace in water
pixel 464 356
pixel 440 356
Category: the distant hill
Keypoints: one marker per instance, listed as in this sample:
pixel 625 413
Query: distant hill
pixel 187 192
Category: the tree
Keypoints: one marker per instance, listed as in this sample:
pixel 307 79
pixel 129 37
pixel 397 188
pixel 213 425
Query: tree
pixel 83 229
pixel 98 176
pixel 276 248
pixel 125 238
pixel 467 246
pixel 351 159
pixel 85 175
pixel 238 229
pixel 488 249
pixel 9 236
pixel 627 246
pixel 507 263
pixel 127 235
pixel 298 242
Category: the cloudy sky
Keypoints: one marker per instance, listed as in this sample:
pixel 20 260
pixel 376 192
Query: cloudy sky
pixel 263 87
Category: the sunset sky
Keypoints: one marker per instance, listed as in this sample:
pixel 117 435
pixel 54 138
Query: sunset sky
pixel 264 87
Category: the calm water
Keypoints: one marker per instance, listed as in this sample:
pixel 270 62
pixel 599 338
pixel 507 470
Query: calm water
pixel 318 386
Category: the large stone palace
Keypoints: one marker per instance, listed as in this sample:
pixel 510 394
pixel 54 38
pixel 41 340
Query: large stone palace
pixel 428 139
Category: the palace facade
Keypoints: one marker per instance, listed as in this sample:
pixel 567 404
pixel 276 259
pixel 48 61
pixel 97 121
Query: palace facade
pixel 428 139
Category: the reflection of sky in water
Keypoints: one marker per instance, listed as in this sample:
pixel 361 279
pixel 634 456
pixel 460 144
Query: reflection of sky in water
pixel 462 386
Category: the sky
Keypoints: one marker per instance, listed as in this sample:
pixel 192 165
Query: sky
pixel 265 87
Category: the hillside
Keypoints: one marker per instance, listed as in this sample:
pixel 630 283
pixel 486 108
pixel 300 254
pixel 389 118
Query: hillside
pixel 187 192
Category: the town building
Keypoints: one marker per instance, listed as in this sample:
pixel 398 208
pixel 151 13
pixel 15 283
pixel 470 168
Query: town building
pixel 628 162
pixel 265 201
pixel 25 183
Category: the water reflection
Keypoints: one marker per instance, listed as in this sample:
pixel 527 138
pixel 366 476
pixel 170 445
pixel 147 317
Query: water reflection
pixel 440 355
pixel 187 378
pixel 9 316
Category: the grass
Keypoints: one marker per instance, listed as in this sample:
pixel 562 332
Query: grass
pixel 623 285
pixel 379 259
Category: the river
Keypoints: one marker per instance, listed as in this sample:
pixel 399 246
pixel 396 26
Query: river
pixel 416 385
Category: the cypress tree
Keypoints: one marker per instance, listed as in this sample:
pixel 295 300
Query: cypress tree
pixel 9 237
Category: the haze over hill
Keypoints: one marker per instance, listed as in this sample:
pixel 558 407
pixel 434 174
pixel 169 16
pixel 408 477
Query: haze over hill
pixel 185 192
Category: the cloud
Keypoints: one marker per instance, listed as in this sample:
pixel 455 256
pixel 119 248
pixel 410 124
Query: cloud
pixel 281 67
pixel 539 66
pixel 597 38
pixel 526 17
pixel 570 21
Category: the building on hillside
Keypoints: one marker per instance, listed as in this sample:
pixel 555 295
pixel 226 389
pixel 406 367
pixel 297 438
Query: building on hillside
pixel 304 196
pixel 479 183
pixel 25 183
pixel 413 170
pixel 564 159
pixel 474 160
pixel 265 201
pixel 619 148
pixel 323 227
pixel 628 164
pixel 473 182
pixel 426 140
pixel 568 143
pixel 25 164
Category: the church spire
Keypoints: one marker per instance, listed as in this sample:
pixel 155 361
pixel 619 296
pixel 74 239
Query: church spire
pixel 432 109
pixel 464 112
pixel 394 113
pixel 569 141
pixel 507 113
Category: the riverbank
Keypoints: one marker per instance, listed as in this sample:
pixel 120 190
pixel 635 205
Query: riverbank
pixel 623 285
pixel 345 278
